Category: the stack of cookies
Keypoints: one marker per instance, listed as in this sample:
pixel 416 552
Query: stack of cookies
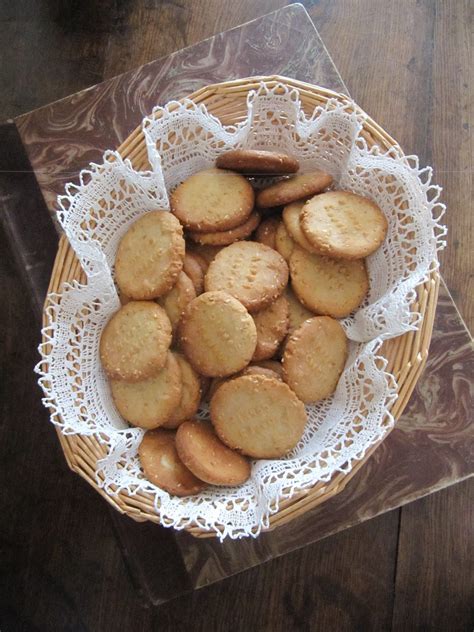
pixel 232 299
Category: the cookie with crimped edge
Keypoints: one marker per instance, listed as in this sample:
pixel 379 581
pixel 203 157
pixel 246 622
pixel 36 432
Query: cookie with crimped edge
pixel 217 334
pixel 258 162
pixel 190 394
pixel 327 286
pixel 343 225
pixel 174 302
pixel 266 232
pixel 257 415
pixel 204 454
pixel 150 256
pixel 291 218
pixel 272 327
pixel 314 358
pixel 284 243
pixel 253 273
pixel 151 402
pixel 195 268
pixel 226 237
pixel 292 189
pixel 162 466
pixel 213 200
pixel 135 342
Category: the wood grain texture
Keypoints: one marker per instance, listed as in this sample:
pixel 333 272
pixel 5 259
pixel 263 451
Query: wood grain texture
pixel 61 567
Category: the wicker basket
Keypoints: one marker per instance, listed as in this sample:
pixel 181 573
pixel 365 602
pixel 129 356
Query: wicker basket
pixel 406 354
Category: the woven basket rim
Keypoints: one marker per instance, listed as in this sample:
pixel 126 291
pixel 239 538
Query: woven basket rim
pixel 406 354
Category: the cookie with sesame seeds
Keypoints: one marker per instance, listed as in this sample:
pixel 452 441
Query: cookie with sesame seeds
pixel 344 225
pixel 292 189
pixel 135 342
pixel 204 454
pixel 253 273
pixel 284 243
pixel 150 256
pixel 272 327
pixel 297 312
pixel 314 358
pixel 257 162
pixel 213 200
pixel 151 402
pixel 257 415
pixel 266 232
pixel 162 466
pixel 291 218
pixel 195 267
pixel 327 286
pixel 190 394
pixel 175 301
pixel 217 334
pixel 226 237
pixel 257 369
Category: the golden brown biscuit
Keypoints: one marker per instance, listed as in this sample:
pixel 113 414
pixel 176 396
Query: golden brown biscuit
pixel 190 394
pixel 151 402
pixel 213 200
pixel 297 312
pixel 266 232
pixel 217 334
pixel 256 369
pixel 284 244
pixel 208 458
pixel 163 467
pixel 205 252
pixel 272 327
pixel 251 272
pixel 333 287
pixel 195 268
pixel 257 162
pixel 135 342
pixel 257 415
pixel 226 237
pixel 292 189
pixel 291 218
pixel 150 256
pixel 314 358
pixel 344 225
pixel 273 365
pixel 175 301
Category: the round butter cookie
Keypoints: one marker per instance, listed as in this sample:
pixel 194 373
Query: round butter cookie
pixel 273 365
pixel 135 342
pixel 150 256
pixel 257 162
pixel 251 272
pixel 297 312
pixel 314 358
pixel 272 327
pixel 213 200
pixel 257 369
pixel 344 225
pixel 292 189
pixel 226 237
pixel 291 218
pixel 332 287
pixel 162 466
pixel 190 394
pixel 205 253
pixel 149 403
pixel 175 301
pixel 208 458
pixel 217 334
pixel 266 232
pixel 195 268
pixel 258 415
pixel 284 244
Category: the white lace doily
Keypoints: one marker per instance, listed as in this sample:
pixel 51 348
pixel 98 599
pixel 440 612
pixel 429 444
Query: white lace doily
pixel 95 214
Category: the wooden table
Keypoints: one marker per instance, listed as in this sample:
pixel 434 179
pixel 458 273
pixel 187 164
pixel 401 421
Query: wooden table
pixel 407 569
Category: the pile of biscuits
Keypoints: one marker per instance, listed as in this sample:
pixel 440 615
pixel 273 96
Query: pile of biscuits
pixel 233 299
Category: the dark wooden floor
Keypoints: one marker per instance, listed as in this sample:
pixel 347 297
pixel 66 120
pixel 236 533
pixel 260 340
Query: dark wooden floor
pixel 409 63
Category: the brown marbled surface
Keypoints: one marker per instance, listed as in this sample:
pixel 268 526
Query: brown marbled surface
pixel 63 137
pixel 431 447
